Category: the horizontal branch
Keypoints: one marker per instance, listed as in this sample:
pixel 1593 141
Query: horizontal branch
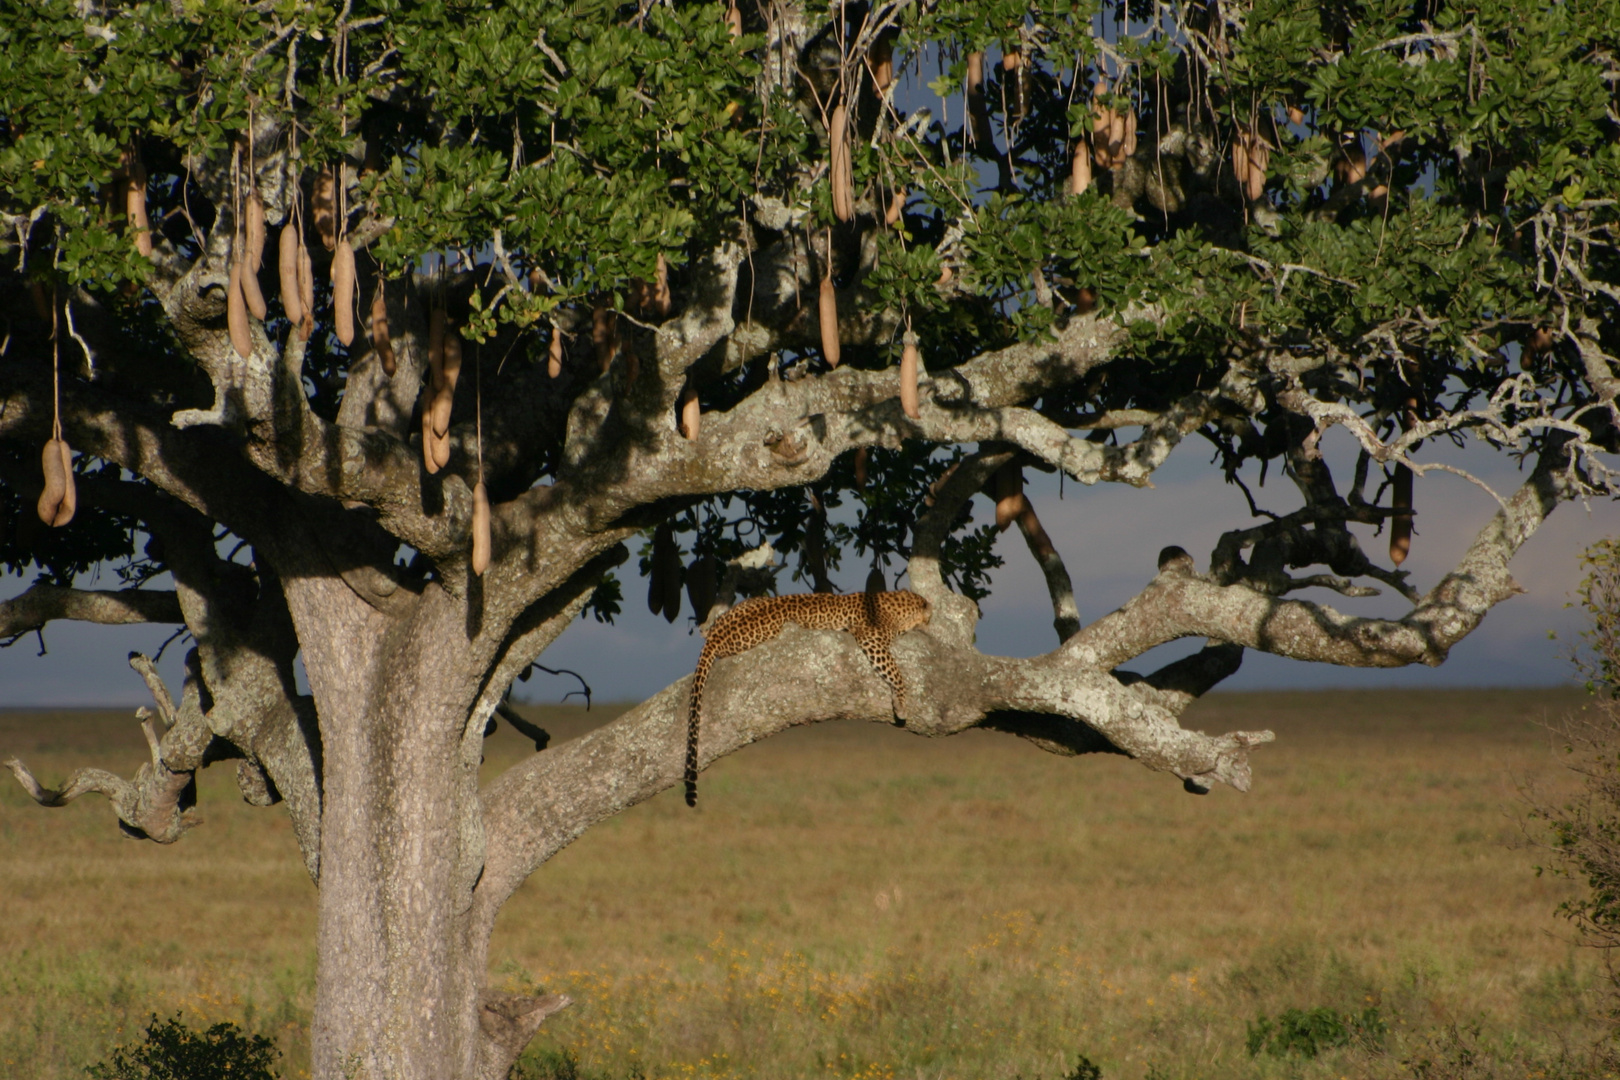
pixel 1180 603
pixel 538 807
pixel 42 604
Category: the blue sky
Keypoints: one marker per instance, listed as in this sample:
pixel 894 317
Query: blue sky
pixel 1109 536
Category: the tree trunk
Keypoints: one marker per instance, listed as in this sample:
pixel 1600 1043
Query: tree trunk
pixel 396 987
pixel 390 1000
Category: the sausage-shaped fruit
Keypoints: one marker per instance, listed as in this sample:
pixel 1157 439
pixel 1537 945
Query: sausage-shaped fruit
pixel 324 206
pixel 843 185
pixel 861 456
pixel 135 205
pixel 56 474
pixel 480 529
pixel 897 206
pixel 691 413
pixel 1080 168
pixel 441 451
pixel 663 300
pixel 1400 526
pixel 255 231
pixel 380 339
pixel 306 291
pixel 428 439
pixel 444 399
pixel 70 494
pixel 910 368
pixel 672 582
pixel 881 61
pixel 830 348
pixel 605 335
pixel 236 313
pixel 701 585
pixel 1008 486
pixel 554 353
pixel 343 292
pixel 251 293
pixel 452 358
pixel 435 346
pixel 287 249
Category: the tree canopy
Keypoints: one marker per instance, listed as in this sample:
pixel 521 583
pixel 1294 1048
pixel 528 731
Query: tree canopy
pixel 370 334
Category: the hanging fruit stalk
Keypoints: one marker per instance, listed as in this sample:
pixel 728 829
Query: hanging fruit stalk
pixel 691 413
pixel 380 339
pixel 843 184
pixel 831 350
pixel 59 498
pixel 910 368
pixel 480 529
pixel 343 292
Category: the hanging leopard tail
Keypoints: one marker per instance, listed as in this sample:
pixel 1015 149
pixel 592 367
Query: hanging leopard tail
pixel 699 676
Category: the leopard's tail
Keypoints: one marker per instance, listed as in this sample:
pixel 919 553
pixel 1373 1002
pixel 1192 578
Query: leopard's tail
pixel 699 676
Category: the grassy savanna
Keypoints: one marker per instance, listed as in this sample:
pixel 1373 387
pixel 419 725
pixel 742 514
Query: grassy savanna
pixel 857 902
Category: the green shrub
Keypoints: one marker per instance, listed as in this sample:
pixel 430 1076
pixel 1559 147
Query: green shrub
pixel 1306 1033
pixel 172 1051
pixel 1084 1069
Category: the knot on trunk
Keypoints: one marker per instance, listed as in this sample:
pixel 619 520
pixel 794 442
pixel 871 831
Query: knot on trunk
pixel 510 1020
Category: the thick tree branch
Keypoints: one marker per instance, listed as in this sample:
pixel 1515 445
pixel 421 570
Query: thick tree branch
pixel 41 604
pixel 803 677
pixel 1180 603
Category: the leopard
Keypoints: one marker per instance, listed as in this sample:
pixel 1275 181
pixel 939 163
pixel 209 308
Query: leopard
pixel 875 618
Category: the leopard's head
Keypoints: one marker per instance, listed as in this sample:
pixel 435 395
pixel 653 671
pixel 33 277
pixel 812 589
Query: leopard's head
pixel 904 610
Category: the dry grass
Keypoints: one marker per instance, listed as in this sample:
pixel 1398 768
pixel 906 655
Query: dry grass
pixel 856 902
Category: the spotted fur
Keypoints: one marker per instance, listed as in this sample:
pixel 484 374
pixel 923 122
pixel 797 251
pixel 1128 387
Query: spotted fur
pixel 875 619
